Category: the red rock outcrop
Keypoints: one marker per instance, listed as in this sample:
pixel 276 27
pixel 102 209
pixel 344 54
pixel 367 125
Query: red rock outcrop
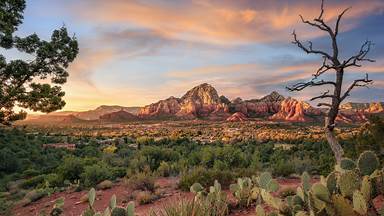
pixel 237 117
pixel 167 107
pixel 200 101
pixel 267 105
pixel 295 111
pixel 375 107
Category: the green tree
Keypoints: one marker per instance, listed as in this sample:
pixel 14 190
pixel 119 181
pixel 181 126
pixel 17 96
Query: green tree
pixel 19 79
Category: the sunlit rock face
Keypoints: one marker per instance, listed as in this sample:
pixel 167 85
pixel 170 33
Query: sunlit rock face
pixel 167 107
pixel 295 111
pixel 200 101
pixel 237 117
pixel 375 107
pixel 267 105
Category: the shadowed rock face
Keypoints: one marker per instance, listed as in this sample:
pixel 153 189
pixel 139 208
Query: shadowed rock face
pixel 119 116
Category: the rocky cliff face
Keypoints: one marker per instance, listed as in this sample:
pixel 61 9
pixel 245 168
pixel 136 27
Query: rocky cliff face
pixel 295 111
pixel 162 108
pixel 267 105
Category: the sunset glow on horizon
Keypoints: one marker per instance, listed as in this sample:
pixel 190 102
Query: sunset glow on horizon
pixel 136 52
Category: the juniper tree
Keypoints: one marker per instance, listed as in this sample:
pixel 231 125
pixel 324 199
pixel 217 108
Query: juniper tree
pixel 20 80
pixel 332 63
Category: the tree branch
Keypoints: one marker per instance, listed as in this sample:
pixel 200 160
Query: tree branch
pixel 357 83
pixel 302 85
pixel 324 95
pixel 308 50
pixel 360 56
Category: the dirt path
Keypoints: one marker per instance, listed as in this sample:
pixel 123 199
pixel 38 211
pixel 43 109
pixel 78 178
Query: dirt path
pixel 72 207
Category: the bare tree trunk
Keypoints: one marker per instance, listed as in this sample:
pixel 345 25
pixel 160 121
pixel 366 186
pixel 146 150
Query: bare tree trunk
pixel 334 144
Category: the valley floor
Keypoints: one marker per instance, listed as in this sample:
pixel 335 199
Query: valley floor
pixel 73 206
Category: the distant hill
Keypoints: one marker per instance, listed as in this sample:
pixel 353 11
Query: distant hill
pixel 119 116
pixel 104 109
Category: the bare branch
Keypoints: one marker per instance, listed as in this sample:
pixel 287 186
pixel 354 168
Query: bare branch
pixel 338 20
pixel 324 104
pixel 324 95
pixel 357 83
pixel 302 85
pixel 308 50
pixel 360 56
pixel 324 68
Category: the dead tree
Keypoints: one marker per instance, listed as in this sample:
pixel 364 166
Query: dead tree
pixel 332 64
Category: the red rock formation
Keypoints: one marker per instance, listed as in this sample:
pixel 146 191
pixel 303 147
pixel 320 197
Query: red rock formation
pixel 237 117
pixel 351 117
pixel 375 107
pixel 165 107
pixel 295 111
pixel 200 101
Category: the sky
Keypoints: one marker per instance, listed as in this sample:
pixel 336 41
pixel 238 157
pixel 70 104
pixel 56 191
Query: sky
pixel 135 52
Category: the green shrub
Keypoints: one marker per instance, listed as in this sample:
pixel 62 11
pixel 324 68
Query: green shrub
pixel 283 168
pixel 54 180
pixel 141 181
pixel 30 173
pixel 71 168
pixel 205 177
pixel 94 174
pixel 33 182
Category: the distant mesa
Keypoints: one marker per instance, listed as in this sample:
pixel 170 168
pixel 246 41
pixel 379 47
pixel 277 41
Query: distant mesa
pixel 204 102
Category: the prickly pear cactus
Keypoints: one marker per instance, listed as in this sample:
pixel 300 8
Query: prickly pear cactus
pixel 320 192
pixel 367 162
pixel 348 183
pixel 118 211
pixel 347 164
pixel 131 209
pixel 331 182
pixel 360 205
pixel 306 181
pixel 264 179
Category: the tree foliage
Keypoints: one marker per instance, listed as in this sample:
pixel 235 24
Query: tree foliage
pixel 20 80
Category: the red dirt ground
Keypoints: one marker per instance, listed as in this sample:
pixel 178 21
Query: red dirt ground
pixel 72 207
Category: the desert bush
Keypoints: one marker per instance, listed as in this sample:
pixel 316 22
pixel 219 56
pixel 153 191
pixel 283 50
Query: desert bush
pixel 166 169
pixel 71 168
pixel 54 180
pixel 145 197
pixel 141 181
pixel 94 174
pixel 283 168
pixel 33 182
pixel 205 177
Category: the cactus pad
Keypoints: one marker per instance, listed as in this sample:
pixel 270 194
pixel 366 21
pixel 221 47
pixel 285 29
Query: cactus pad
pixel 348 183
pixel 367 162
pixel 347 164
pixel 359 203
pixel 331 182
pixel 321 192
